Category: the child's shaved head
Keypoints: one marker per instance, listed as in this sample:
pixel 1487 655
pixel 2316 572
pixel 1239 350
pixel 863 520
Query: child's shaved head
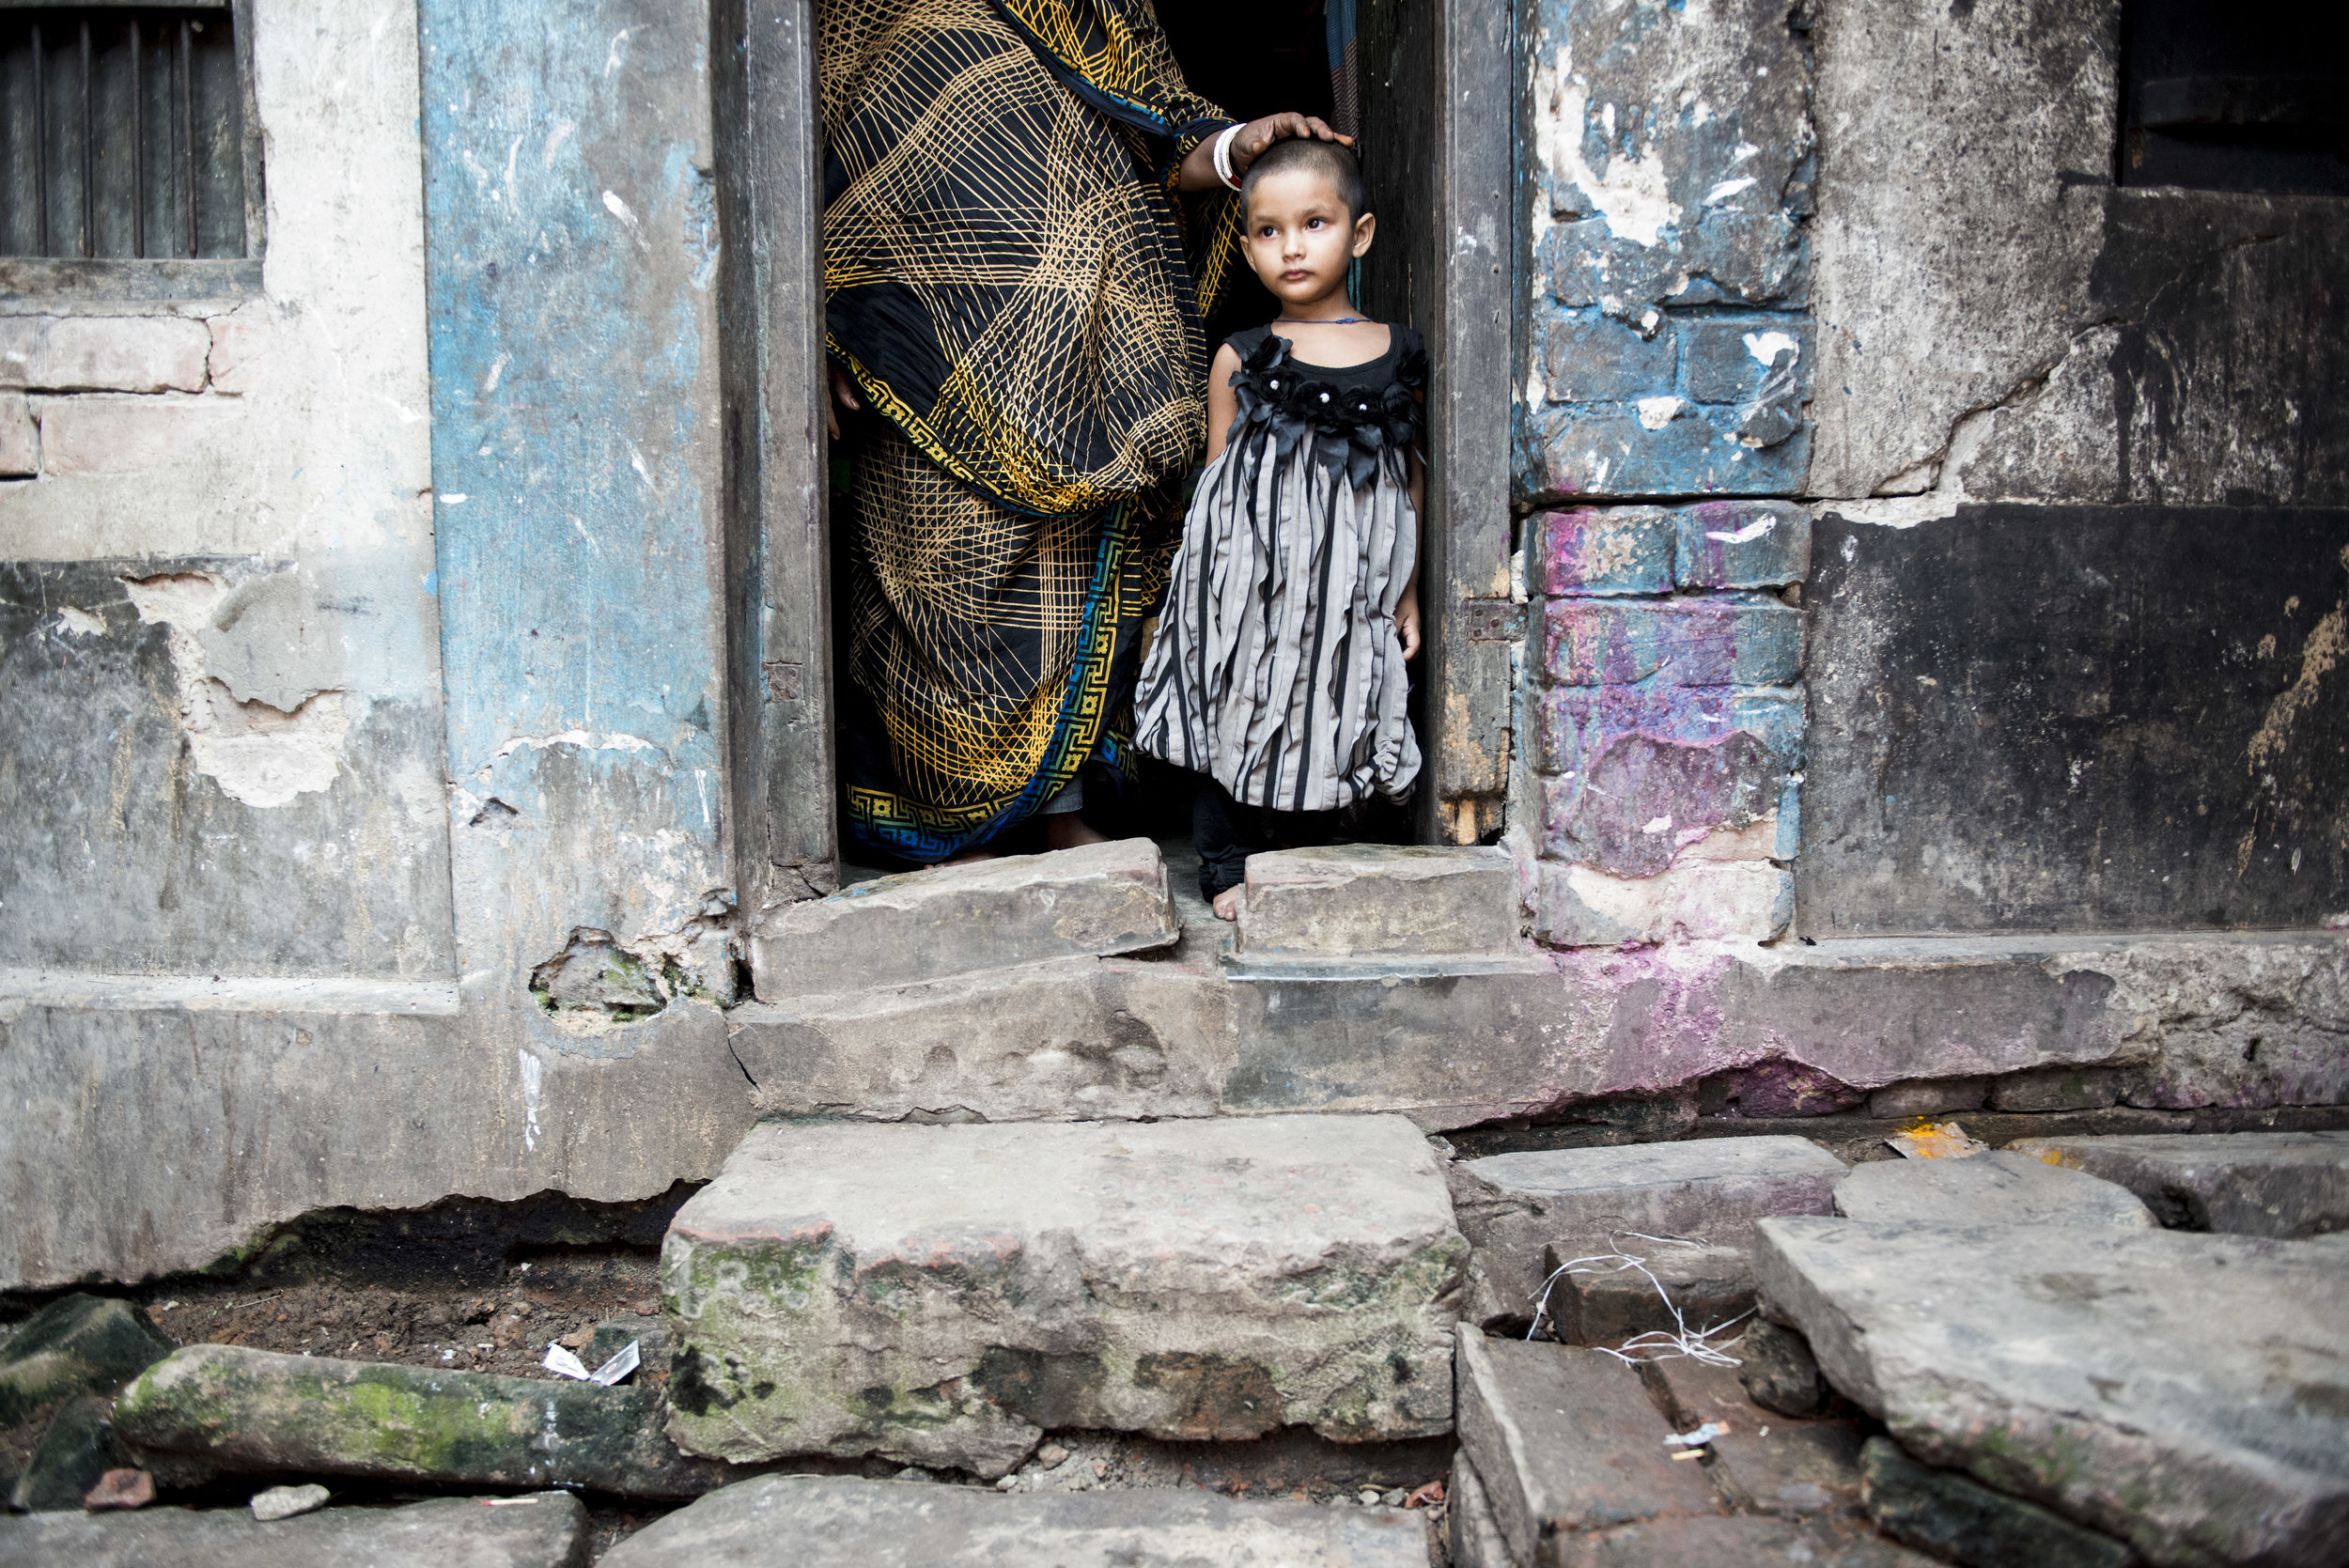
pixel 1331 161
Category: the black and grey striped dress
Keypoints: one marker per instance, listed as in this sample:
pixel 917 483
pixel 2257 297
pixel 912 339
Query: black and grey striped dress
pixel 1277 670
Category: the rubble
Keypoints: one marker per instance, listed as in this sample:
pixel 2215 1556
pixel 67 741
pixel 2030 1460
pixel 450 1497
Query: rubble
pixel 877 1524
pixel 76 1344
pixel 943 1296
pixel 2158 1386
pixel 1513 1205
pixel 1994 1189
pixel 2270 1184
pixel 73 1455
pixel 254 1412
pixel 544 1530
pixel 1564 1439
pixel 1764 1463
pixel 1778 1371
pixel 1961 1520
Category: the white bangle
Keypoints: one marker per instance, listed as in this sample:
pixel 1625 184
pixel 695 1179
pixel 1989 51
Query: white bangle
pixel 1224 157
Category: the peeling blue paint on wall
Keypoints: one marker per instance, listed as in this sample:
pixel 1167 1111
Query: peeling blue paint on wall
pixel 571 240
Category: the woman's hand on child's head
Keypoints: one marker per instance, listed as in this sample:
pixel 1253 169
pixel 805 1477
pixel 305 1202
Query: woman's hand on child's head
pixel 1258 135
pixel 1406 622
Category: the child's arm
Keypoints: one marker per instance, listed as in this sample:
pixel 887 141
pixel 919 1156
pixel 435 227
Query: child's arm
pixel 1223 402
pixel 1406 608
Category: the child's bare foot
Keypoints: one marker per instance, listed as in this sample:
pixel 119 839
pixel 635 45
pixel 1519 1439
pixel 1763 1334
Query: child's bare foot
pixel 1227 904
pixel 1066 829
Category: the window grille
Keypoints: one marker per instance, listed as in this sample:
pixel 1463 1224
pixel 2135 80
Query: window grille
pixel 122 133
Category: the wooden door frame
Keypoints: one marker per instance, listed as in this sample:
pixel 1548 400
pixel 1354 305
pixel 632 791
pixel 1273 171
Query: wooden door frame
pixel 1438 92
pixel 1438 100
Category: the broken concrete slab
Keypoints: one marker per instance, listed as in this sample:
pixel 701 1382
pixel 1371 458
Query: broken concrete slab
pixel 819 1522
pixel 2270 1184
pixel 1470 1531
pixel 2170 1388
pixel 942 1294
pixel 76 1344
pixel 1379 901
pixel 1996 1188
pixel 1075 1039
pixel 1777 1370
pixel 254 1412
pixel 1762 1461
pixel 1513 1205
pixel 1960 1520
pixel 1606 1301
pixel 956 918
pixel 1565 1440
pixel 543 1529
pixel 1736 1543
pixel 73 1452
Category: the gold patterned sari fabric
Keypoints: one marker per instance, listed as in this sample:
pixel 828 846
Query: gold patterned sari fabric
pixel 1006 281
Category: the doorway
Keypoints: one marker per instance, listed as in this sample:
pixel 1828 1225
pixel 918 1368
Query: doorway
pixel 1435 90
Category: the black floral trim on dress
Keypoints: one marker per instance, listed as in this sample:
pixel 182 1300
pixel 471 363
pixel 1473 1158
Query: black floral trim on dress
pixel 1360 426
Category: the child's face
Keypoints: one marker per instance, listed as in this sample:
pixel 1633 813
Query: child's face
pixel 1298 239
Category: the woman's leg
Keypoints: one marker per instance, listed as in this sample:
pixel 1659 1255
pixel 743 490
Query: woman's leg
pixel 1223 830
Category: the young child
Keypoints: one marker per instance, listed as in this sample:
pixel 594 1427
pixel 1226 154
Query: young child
pixel 1278 667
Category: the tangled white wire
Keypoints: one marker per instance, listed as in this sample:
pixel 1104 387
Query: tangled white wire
pixel 1657 1344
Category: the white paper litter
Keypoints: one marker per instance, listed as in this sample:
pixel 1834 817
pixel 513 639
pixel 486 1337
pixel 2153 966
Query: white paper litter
pixel 1697 1438
pixel 564 1363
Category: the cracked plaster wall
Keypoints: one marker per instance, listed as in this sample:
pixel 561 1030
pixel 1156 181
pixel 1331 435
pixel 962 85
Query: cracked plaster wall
pixel 219 675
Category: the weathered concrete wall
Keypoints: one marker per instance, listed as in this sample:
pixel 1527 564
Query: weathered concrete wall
pixel 574 241
pixel 2107 699
pixel 219 675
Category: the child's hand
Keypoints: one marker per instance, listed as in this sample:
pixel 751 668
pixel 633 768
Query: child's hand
pixel 1406 622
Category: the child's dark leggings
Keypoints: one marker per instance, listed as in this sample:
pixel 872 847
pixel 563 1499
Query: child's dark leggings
pixel 1226 832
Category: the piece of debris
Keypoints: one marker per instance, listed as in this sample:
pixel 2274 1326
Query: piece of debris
pixel 1697 1438
pixel 284 1503
pixel 120 1489
pixel 562 1362
pixel 1051 1456
pixel 1947 1141
pixel 1429 1496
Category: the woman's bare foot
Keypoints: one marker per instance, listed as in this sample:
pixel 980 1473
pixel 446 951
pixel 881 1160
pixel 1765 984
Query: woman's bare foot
pixel 1066 829
pixel 973 856
pixel 1227 904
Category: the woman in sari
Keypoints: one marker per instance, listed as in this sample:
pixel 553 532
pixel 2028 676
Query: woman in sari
pixel 1007 291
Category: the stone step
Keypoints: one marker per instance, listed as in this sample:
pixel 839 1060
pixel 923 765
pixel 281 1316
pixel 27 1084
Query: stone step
pixel 821 1522
pixel 1380 905
pixel 1512 1207
pixel 543 1529
pixel 2003 1187
pixel 944 1295
pixel 2271 1184
pixel 1565 1440
pixel 959 919
pixel 224 1408
pixel 1763 1461
pixel 2154 1384
pixel 1737 1542
pixel 1608 1300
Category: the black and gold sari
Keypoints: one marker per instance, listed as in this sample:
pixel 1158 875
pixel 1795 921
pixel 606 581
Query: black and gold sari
pixel 1006 280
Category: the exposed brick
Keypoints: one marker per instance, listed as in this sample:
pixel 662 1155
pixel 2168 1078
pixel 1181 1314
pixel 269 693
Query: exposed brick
pixel 1589 452
pixel 1614 550
pixel 1742 544
pixel 20 440
pixel 103 353
pixel 1732 640
pixel 121 435
pixel 1590 359
pixel 240 340
pixel 1725 354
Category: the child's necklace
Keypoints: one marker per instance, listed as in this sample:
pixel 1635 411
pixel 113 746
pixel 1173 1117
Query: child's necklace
pixel 1332 321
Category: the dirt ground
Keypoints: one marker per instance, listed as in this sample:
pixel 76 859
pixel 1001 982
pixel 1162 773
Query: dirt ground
pixel 504 1328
